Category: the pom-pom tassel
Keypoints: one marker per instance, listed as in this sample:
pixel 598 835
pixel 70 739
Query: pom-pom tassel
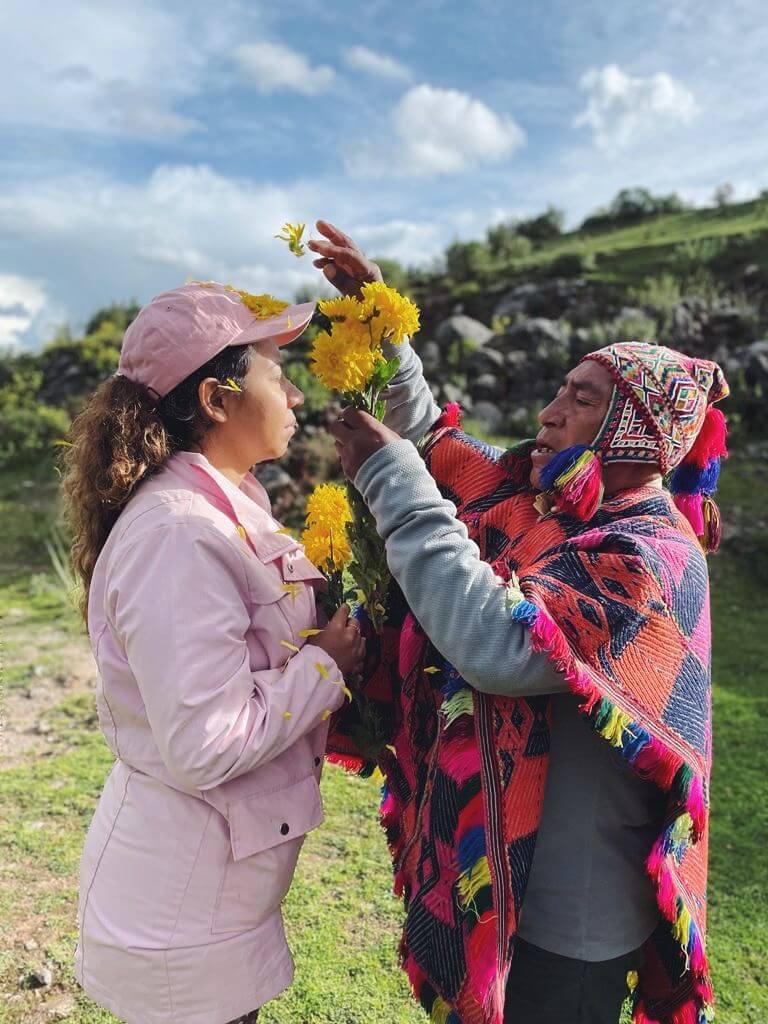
pixel 450 416
pixel 695 480
pixel 704 516
pixel 711 440
pixel 574 479
pixel 712 533
pixel 692 507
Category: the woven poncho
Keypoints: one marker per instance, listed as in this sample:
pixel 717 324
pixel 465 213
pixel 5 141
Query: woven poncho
pixel 621 606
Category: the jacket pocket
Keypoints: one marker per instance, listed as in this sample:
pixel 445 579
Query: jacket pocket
pixel 266 832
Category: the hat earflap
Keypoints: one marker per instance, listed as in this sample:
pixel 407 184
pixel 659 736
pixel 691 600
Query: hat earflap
pixel 694 481
pixel 573 479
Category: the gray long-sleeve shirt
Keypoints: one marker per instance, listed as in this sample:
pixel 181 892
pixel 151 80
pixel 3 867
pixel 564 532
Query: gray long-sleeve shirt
pixel 588 895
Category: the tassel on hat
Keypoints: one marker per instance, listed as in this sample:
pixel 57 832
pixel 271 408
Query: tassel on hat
pixel 695 480
pixel 574 480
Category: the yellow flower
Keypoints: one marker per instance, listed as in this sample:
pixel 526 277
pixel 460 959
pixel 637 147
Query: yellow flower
pixel 328 547
pixel 344 361
pixel 328 506
pixel 391 315
pixel 346 307
pixel 262 306
pixel 291 233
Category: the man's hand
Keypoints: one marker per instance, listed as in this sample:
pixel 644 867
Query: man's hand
pixel 344 265
pixel 358 435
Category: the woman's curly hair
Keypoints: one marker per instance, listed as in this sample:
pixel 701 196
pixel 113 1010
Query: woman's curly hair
pixel 121 437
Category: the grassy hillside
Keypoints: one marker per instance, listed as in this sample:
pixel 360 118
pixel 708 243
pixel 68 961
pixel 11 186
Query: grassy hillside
pixel 720 242
pixel 623 253
pixel 342 920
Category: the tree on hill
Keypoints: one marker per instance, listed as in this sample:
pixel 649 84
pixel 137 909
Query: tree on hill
pixel 540 229
pixel 504 242
pixel 119 314
pixel 631 205
pixel 723 195
pixel 464 260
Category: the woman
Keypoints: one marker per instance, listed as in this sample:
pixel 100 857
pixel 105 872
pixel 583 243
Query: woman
pixel 211 694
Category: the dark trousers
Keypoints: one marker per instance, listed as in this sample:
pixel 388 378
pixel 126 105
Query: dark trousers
pixel 544 988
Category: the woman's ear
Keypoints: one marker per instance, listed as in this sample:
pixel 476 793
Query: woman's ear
pixel 211 398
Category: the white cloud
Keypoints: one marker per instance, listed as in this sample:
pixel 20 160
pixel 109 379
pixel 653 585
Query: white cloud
pixel 410 242
pixel 105 69
pixel 622 110
pixel 703 195
pixel 273 67
pixel 21 301
pixel 362 59
pixel 101 240
pixel 437 131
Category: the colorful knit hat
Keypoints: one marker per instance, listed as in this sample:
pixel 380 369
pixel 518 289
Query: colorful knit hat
pixel 661 411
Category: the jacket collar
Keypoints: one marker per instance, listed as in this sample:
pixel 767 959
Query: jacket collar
pixel 247 506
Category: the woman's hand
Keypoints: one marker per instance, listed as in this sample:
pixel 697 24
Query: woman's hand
pixel 342 640
pixel 357 436
pixel 344 265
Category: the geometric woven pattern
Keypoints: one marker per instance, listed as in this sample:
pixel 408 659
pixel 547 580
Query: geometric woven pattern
pixel 658 404
pixel 622 609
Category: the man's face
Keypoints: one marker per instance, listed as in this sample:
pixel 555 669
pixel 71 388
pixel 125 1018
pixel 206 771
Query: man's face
pixel 574 416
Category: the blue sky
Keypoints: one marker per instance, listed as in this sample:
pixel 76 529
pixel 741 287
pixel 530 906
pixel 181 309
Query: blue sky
pixel 144 143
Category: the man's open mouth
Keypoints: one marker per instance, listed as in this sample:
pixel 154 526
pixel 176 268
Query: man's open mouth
pixel 542 449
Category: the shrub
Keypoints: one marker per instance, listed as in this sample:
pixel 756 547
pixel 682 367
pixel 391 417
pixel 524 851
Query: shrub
pixel 635 327
pixel 73 367
pixel 660 293
pixel 464 260
pixel 540 229
pixel 504 242
pixel 572 264
pixel 28 427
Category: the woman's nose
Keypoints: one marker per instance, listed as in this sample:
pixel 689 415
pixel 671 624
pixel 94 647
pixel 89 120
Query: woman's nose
pixel 295 397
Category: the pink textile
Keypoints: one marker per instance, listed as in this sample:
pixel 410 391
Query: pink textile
pixel 180 330
pixel 218 747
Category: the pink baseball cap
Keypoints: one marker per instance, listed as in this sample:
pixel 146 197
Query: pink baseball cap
pixel 179 331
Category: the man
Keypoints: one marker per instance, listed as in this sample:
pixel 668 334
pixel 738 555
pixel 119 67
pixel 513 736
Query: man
pixel 547 780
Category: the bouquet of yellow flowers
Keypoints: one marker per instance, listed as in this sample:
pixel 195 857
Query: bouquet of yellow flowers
pixel 325 539
pixel 349 358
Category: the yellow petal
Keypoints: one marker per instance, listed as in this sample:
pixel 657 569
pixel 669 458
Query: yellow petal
pixel 287 714
pixel 390 747
pixel 430 670
pixel 242 532
pixel 321 669
pixel 290 646
pixel 309 632
pixel 326 714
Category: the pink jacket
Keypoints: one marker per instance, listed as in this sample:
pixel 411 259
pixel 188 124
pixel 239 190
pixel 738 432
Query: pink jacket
pixel 218 729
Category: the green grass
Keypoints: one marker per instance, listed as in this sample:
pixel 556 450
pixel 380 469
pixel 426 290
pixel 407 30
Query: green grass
pixel 343 923
pixel 625 256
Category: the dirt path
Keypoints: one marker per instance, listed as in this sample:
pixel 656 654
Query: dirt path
pixel 25 733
